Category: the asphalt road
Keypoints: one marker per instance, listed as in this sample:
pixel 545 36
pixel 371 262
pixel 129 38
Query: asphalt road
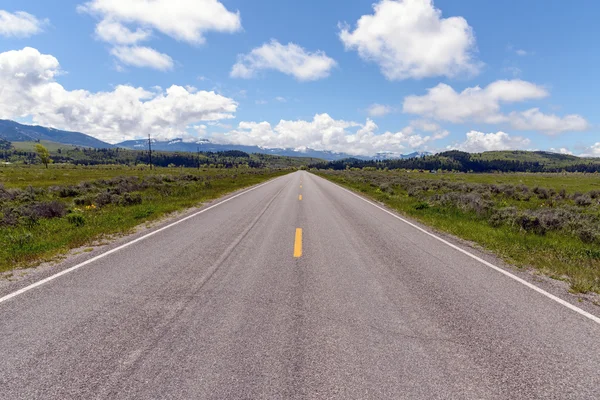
pixel 238 303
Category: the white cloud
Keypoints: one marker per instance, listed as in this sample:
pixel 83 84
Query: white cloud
pixel 326 133
pixel 185 20
pixel 521 52
pixel 379 110
pixel 410 39
pixel 289 59
pixel 115 32
pixel 477 104
pixel 472 104
pixel 562 150
pixel 281 99
pixel 534 120
pixel 477 142
pixel 592 151
pixel 29 89
pixel 139 56
pixel 20 24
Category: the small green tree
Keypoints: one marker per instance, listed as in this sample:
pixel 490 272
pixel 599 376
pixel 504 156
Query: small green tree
pixel 43 154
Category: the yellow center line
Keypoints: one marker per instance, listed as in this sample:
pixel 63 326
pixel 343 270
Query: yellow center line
pixel 298 243
pixel 300 186
pixel 300 197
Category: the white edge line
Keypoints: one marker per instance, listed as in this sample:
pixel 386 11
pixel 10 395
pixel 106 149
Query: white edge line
pixel 488 264
pixel 99 256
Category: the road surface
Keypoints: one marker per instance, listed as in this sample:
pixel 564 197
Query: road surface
pixel 275 296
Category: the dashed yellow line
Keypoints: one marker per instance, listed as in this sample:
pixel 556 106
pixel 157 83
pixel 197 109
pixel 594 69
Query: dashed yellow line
pixel 300 197
pixel 298 243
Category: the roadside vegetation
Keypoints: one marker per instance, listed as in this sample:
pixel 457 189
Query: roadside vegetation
pixel 44 212
pixel 550 222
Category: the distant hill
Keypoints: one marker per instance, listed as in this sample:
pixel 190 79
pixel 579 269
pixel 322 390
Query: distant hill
pixel 491 161
pixel 14 132
pixel 546 158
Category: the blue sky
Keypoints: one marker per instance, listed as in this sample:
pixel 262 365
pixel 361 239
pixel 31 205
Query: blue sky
pixel 505 75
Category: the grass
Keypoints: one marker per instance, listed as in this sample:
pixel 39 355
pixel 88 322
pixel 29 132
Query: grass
pixel 519 230
pixel 571 182
pixel 37 176
pixel 51 146
pixel 92 204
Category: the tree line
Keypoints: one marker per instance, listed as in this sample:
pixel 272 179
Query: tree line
pixel 459 161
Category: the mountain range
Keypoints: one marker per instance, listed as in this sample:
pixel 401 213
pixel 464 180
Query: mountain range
pixel 12 131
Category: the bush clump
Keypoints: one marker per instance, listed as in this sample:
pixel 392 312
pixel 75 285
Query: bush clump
pixel 76 219
pixel 45 209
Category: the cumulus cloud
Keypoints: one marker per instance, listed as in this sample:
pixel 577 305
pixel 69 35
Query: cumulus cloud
pixel 115 32
pixel 476 104
pixel 379 110
pixel 29 88
pixel 534 120
pixel 289 59
pixel 410 39
pixel 326 133
pixel 592 151
pixel 477 142
pixel 20 24
pixel 472 104
pixel 139 56
pixel 562 150
pixel 185 20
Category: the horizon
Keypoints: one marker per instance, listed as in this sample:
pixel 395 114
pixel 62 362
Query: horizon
pixel 444 76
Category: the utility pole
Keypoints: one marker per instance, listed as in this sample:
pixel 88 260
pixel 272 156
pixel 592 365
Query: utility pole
pixel 150 150
pixel 198 153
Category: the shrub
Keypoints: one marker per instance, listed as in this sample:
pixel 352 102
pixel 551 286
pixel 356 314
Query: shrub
pixel 76 219
pixel 386 188
pixel 541 193
pixel 106 198
pixel 502 216
pixel 587 234
pixel 83 201
pixel 553 219
pixel 9 216
pixel 422 206
pixel 130 199
pixel 46 209
pixel 530 223
pixel 68 191
pixel 562 193
pixel 583 200
pixel 594 194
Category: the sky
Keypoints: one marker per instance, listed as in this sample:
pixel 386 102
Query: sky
pixel 352 76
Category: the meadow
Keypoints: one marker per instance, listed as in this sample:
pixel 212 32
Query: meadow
pixel 550 222
pixel 46 212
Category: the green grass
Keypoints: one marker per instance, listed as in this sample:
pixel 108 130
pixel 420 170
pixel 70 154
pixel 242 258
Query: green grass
pixel 29 243
pixel 22 176
pixel 51 146
pixel 559 254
